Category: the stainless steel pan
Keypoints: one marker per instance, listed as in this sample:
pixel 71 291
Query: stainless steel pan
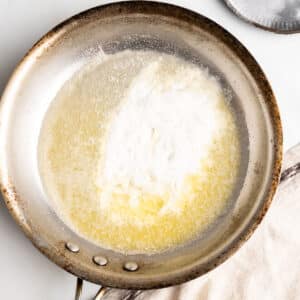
pixel 139 26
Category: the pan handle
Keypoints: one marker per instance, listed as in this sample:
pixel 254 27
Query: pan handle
pixel 78 291
pixel 105 291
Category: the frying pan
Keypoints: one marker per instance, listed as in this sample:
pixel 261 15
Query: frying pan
pixel 139 26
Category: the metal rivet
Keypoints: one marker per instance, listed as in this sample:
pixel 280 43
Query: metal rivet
pixel 100 260
pixel 130 266
pixel 72 247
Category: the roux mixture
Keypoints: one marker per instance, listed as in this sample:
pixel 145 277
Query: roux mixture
pixel 139 152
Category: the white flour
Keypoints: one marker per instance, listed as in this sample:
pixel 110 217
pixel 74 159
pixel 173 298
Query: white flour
pixel 162 131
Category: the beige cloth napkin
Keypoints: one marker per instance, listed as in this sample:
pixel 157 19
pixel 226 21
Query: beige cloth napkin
pixel 267 267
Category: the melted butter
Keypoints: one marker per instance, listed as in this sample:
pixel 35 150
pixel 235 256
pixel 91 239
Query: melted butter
pixel 71 146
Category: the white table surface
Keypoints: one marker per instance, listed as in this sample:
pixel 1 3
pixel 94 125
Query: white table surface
pixel 24 272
